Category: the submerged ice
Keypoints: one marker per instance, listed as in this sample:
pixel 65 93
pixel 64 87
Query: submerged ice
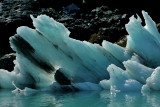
pixel 47 59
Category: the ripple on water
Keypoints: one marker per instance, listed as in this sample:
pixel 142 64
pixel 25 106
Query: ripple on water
pixel 79 99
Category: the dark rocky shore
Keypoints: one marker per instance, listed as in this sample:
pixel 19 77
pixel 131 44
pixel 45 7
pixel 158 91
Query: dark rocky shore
pixel 88 20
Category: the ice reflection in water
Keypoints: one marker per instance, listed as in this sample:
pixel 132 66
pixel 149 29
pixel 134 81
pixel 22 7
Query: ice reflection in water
pixel 79 99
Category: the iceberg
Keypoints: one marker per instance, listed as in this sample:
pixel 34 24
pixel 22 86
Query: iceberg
pixel 42 51
pixel 47 59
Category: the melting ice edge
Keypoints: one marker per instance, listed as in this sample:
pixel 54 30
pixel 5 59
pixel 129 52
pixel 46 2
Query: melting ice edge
pixel 47 59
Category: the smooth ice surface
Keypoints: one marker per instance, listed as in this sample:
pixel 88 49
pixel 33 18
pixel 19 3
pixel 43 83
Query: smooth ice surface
pixel 120 53
pixel 138 71
pixel 47 59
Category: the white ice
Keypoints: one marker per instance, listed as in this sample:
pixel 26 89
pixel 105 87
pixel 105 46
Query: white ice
pixel 144 41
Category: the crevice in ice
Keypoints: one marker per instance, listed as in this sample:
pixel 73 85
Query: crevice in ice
pixel 61 78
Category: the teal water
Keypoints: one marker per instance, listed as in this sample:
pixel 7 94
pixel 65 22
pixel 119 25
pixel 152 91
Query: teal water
pixel 79 99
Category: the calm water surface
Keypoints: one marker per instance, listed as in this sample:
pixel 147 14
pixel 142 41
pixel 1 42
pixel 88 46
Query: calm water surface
pixel 79 99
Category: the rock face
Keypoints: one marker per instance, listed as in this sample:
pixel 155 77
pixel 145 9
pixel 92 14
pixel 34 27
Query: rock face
pixel 83 23
pixel 6 61
pixel 14 14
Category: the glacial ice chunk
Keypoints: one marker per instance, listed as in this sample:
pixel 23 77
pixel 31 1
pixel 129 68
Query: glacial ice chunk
pixel 40 52
pixel 48 51
pixel 144 41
